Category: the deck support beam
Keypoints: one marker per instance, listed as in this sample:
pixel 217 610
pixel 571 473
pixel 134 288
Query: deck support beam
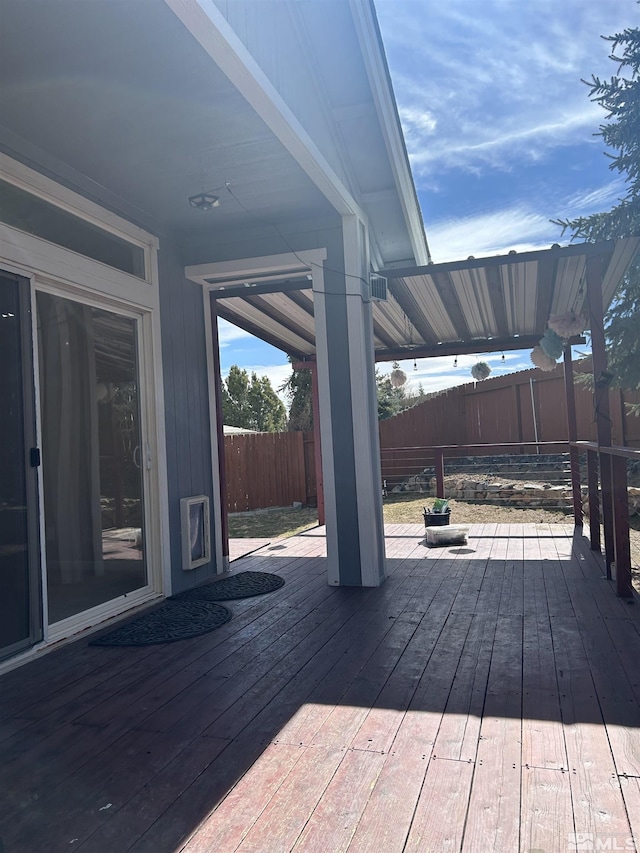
pixel 601 398
pixel 317 443
pixel 312 367
pixel 572 429
pixel 613 472
pixel 594 500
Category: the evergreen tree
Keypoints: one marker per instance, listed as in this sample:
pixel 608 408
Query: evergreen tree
pixel 268 413
pixel 620 97
pixel 298 390
pixel 391 400
pixel 251 403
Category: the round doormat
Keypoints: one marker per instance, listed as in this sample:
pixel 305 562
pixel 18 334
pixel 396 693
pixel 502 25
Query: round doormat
pixel 173 620
pixel 242 585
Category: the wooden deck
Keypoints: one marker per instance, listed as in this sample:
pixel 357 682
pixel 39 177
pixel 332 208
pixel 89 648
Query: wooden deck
pixel 484 699
pixel 239 548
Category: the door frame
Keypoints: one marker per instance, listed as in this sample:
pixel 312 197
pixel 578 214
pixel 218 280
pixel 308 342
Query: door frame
pixel 57 270
pixel 29 441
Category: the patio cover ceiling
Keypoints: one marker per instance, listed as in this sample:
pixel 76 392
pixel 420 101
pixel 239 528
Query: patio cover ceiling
pixel 478 305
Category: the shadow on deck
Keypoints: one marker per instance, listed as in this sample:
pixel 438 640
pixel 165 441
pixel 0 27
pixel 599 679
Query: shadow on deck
pixel 485 698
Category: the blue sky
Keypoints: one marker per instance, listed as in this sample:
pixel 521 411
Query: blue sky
pixel 500 135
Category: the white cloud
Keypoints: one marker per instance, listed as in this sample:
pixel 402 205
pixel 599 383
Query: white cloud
pixel 520 227
pixel 501 146
pixel 227 333
pixel 494 232
pixel 591 201
pixel 416 121
pixel 496 81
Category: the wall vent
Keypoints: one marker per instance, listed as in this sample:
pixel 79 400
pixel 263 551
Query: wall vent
pixel 378 287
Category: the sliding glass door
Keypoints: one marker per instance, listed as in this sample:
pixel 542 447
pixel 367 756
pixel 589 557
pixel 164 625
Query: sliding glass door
pixel 93 455
pixel 20 593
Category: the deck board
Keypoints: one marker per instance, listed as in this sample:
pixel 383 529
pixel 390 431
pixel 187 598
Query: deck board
pixel 485 697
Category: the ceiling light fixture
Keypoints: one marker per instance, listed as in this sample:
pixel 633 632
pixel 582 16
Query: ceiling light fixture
pixel 204 201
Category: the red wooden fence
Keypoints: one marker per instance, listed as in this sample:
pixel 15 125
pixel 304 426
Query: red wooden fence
pixel 501 410
pixel 269 469
pixel 276 469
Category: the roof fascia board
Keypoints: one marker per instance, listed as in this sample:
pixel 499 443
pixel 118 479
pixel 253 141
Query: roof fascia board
pixel 472 346
pixel 368 32
pixel 600 248
pixel 210 29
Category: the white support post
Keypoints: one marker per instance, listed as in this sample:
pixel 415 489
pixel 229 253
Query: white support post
pixel 349 413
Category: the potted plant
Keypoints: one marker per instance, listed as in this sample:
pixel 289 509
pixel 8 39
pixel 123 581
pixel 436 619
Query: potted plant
pixel 439 514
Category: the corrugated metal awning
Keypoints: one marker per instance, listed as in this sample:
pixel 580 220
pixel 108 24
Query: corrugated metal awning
pixel 478 305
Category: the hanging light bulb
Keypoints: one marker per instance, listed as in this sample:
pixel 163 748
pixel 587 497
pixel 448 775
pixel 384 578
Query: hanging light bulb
pixel 415 364
pixel 502 359
pixel 455 361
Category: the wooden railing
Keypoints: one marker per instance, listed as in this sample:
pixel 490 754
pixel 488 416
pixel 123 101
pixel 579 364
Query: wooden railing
pixel 607 476
pixel 607 487
pixel 399 463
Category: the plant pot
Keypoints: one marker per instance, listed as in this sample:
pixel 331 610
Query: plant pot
pixel 436 519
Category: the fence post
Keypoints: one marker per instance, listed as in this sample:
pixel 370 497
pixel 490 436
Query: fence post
pixel 594 500
pixel 572 429
pixel 317 446
pixel 439 467
pixel 601 398
pixel 621 526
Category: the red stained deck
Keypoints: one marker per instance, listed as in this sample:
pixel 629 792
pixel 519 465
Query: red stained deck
pixel 483 699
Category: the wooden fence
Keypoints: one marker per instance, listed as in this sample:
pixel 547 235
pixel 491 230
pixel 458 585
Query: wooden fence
pixel 525 406
pixel 529 406
pixel 276 469
pixel 269 469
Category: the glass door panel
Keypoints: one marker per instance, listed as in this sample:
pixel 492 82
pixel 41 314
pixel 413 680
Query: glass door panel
pixel 92 455
pixel 20 623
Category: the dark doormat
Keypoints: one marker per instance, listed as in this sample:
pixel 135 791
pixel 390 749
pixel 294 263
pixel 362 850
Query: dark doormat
pixel 173 620
pixel 242 585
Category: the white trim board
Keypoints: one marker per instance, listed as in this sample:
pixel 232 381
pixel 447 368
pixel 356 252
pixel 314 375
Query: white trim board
pixel 33 182
pixel 264 268
pixel 210 28
pixel 379 80
pixel 305 262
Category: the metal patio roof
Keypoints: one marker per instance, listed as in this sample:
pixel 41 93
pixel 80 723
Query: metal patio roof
pixel 477 305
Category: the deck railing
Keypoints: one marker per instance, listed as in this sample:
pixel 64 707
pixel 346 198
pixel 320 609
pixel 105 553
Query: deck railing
pixel 412 468
pixel 398 464
pixel 608 493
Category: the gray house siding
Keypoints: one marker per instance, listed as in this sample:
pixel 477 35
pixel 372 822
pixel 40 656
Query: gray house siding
pixel 187 422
